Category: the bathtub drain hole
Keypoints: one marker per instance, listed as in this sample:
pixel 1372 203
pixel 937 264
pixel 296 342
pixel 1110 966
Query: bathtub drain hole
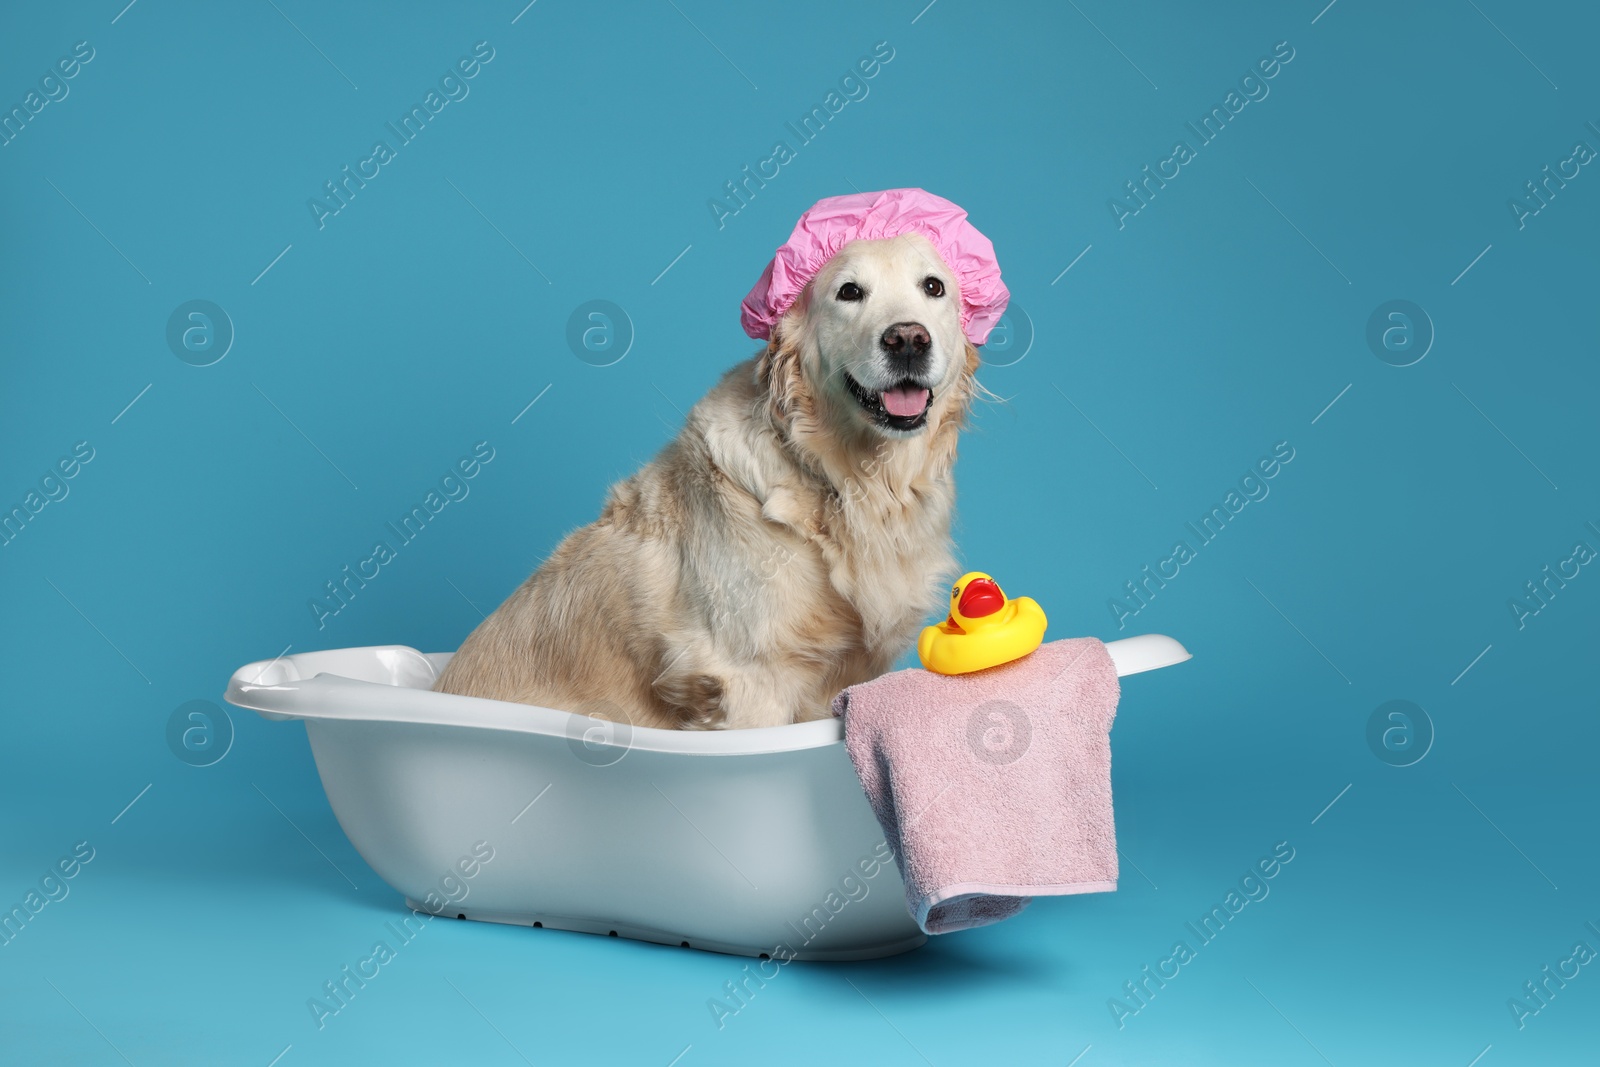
pixel 538 926
pixel 460 916
pixel 612 934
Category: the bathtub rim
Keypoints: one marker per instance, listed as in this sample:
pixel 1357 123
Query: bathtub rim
pixel 304 686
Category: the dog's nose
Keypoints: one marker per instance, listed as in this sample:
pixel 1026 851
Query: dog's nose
pixel 906 344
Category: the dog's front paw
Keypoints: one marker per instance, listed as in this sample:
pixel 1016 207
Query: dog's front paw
pixel 697 700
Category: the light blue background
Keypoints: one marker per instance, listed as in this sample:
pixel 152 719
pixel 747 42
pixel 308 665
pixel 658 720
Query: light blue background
pixel 1195 338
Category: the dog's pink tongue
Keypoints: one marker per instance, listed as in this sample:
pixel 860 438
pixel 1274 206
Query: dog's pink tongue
pixel 905 400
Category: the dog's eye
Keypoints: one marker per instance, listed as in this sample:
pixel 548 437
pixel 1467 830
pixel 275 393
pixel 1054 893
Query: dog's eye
pixel 850 291
pixel 932 286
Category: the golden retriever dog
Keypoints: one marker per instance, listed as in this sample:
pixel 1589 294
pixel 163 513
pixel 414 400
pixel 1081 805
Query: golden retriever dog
pixel 791 541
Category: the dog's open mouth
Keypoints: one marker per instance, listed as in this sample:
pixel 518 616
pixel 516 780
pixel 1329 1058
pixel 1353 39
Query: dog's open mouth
pixel 904 406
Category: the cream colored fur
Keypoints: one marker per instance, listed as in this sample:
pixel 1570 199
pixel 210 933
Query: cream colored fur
pixel 782 547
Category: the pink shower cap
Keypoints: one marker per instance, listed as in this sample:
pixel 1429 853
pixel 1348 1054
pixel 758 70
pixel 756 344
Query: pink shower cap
pixel 834 222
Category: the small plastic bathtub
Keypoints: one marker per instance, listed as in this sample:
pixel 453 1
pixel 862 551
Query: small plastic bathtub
pixel 741 841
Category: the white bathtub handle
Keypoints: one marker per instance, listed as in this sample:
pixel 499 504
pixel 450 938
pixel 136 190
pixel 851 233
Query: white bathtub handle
pixel 1135 655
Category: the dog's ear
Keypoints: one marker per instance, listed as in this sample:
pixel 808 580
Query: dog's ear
pixel 780 373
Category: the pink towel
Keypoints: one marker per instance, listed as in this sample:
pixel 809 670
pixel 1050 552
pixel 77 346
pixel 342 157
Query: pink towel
pixel 993 787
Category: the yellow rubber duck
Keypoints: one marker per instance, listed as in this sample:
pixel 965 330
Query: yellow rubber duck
pixel 984 628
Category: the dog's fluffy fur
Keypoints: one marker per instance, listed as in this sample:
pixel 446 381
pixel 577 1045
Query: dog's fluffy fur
pixel 786 544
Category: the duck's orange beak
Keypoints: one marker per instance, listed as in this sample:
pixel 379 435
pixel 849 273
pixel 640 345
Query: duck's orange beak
pixel 981 597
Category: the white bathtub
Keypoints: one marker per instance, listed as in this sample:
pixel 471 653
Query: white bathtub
pixel 735 841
